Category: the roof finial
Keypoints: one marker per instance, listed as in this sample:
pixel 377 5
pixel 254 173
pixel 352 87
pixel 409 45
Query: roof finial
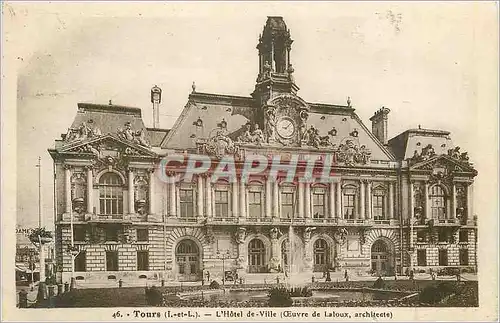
pixel 349 101
pixel 419 127
pixel 110 103
pixel 193 86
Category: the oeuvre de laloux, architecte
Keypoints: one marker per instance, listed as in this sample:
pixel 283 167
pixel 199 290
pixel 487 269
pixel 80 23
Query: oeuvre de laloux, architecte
pixel 388 206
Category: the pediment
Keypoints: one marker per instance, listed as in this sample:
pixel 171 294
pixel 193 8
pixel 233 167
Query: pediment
pixel 107 145
pixel 443 164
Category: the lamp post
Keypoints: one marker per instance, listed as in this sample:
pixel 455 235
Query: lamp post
pixel 223 255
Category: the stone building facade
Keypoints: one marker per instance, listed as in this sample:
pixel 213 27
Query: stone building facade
pixel 388 206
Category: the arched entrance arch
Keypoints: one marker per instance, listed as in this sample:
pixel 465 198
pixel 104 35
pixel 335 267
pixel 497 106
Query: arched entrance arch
pixel 382 257
pixel 321 255
pixel 256 256
pixel 188 259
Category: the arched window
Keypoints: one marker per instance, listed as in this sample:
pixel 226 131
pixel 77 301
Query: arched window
pixel 378 206
pixel 319 203
pixel 110 194
pixel 320 255
pixel 188 260
pixel 349 205
pixel 256 256
pixel 437 198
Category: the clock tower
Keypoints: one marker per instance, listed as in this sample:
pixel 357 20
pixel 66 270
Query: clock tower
pixel 284 113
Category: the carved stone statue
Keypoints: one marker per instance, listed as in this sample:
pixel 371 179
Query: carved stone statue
pixel 258 135
pixel 267 70
pixel 246 136
pixel 240 235
pixel 308 232
pixel 270 123
pixel 275 232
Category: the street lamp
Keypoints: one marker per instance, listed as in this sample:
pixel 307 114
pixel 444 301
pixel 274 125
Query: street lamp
pixel 73 251
pixel 223 255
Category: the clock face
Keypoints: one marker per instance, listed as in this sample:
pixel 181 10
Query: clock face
pixel 285 128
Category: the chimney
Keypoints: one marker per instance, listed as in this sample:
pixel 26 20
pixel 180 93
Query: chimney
pixel 156 100
pixel 379 124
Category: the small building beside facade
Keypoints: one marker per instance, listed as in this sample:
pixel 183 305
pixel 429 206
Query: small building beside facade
pixel 390 205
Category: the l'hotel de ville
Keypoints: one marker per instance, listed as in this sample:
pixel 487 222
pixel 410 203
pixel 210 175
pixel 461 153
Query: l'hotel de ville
pixel 392 205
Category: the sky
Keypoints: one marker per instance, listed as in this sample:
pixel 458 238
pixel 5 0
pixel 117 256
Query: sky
pixel 429 63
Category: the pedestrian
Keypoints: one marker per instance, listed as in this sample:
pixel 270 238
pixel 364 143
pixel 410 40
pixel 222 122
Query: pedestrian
pixel 208 276
pixel 346 276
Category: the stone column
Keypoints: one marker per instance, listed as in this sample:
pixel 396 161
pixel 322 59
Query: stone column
pixel 362 189
pixel 308 257
pixel 90 190
pixel 267 197
pixel 151 191
pixel 208 192
pixel 67 188
pixel 234 198
pixel 300 213
pixel 391 200
pixel 338 208
pixel 307 200
pixel 411 220
pixel 131 194
pixel 427 205
pixel 172 197
pixel 243 204
pixel 454 201
pixel 241 261
pixel 470 194
pixel 331 199
pixel 369 201
pixel 276 208
pixel 199 202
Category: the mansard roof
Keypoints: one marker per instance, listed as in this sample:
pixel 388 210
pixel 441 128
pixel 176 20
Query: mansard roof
pixel 204 113
pixel 404 145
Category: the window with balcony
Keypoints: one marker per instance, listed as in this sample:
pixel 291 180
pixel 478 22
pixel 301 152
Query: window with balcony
pixel 79 233
pixel 443 235
pixel 111 232
pixel 81 261
pixel 378 207
pixel 287 205
pixel 463 257
pixel 112 260
pixel 110 194
pixel 463 236
pixel 318 204
pixel 186 202
pixel 437 199
pixel 421 257
pixel 142 235
pixel 443 257
pixel 421 236
pixel 349 205
pixel 221 203
pixel 142 260
pixel 254 204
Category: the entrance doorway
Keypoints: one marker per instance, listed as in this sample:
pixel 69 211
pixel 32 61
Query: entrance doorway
pixel 187 257
pixel 380 256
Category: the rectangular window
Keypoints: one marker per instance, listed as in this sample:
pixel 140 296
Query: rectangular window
pixel 421 235
pixel 142 260
pixel 142 235
pixel 443 235
pixel 421 257
pixel 287 205
pixel 221 203
pixel 349 206
pixel 378 207
pixel 463 236
pixel 80 261
pixel 112 260
pixel 254 204
pixel 79 232
pixel 464 257
pixel 318 200
pixel 186 203
pixel 112 233
pixel 443 257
